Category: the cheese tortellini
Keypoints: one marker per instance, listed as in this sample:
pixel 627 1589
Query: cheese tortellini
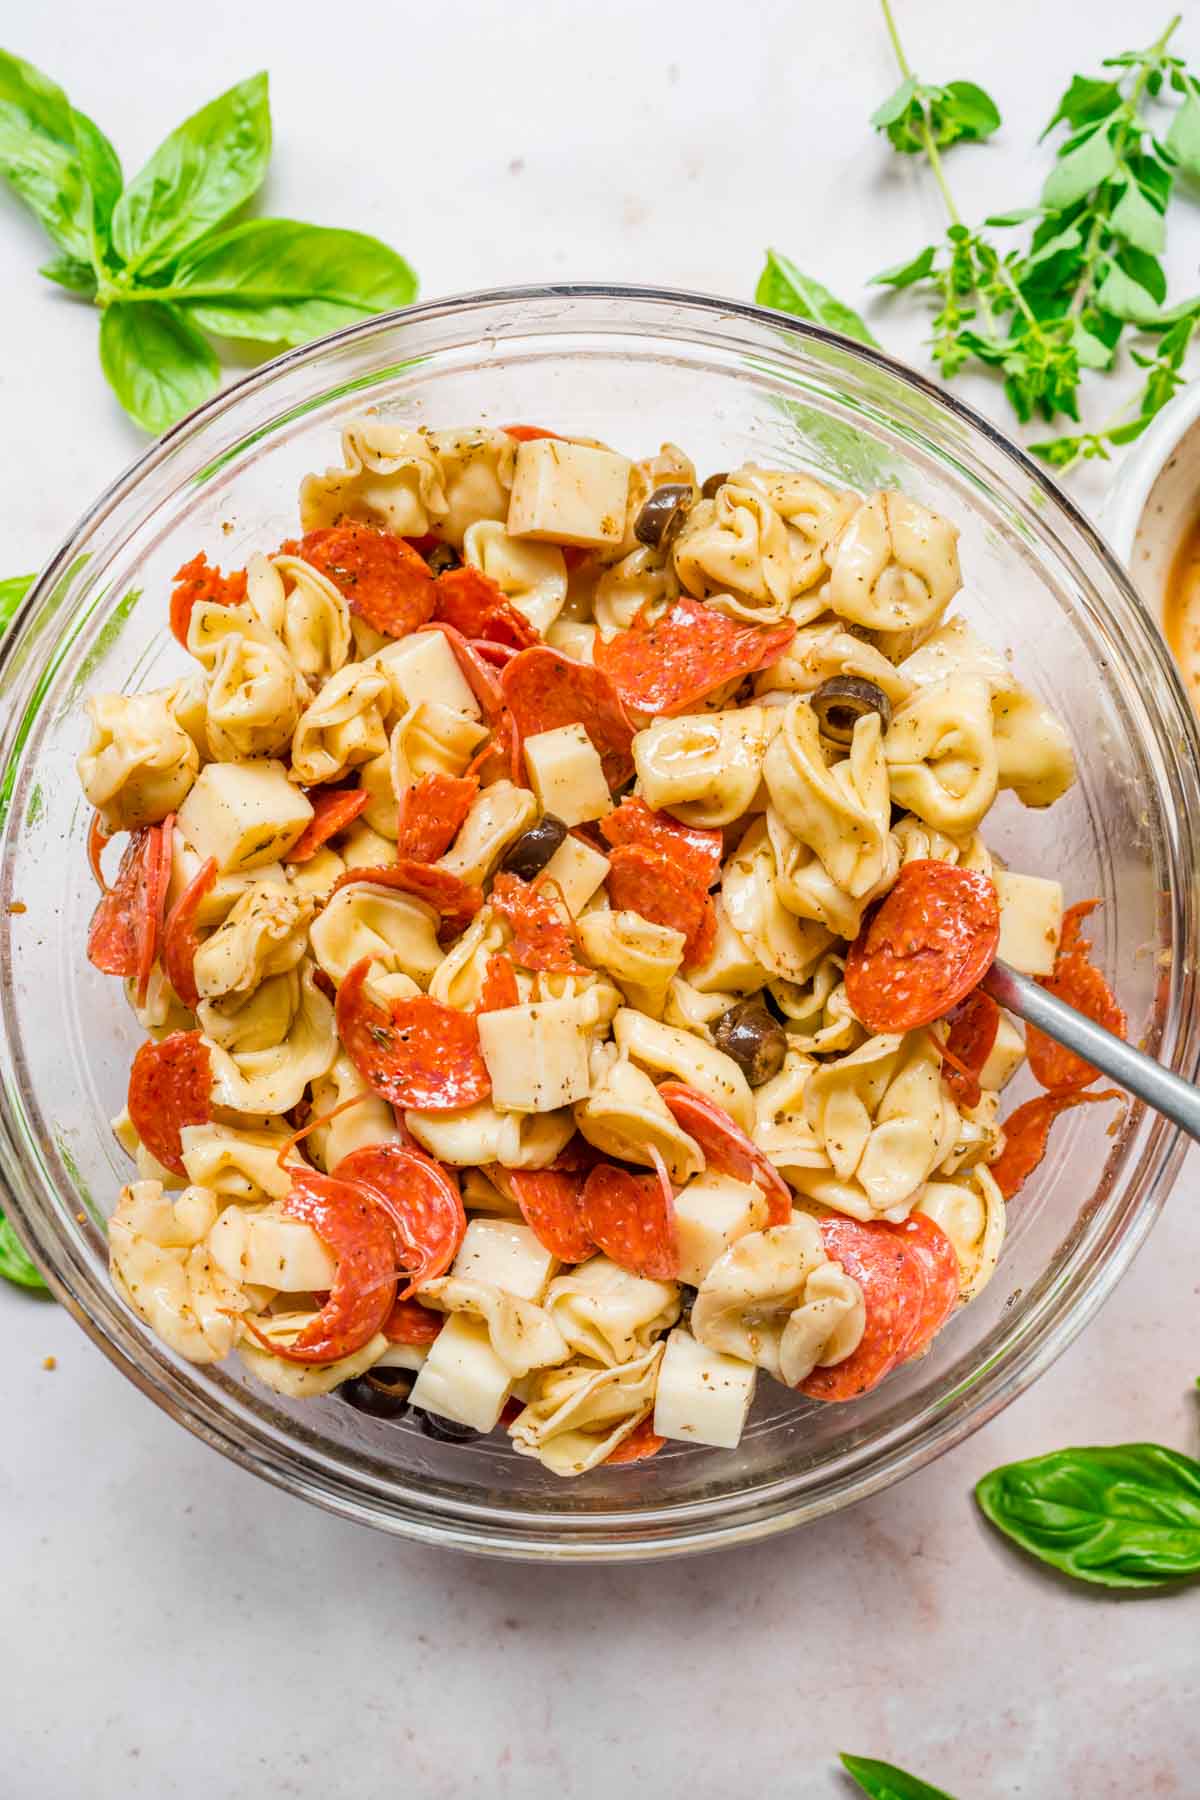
pixel 776 1300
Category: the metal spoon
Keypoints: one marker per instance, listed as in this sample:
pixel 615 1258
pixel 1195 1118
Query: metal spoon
pixel 1131 1069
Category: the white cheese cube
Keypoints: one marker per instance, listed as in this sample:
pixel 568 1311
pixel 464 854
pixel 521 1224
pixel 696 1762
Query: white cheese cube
pixel 569 493
pixel 403 1356
pixel 424 667
pixel 1031 913
pixel 703 1395
pixel 711 1213
pixel 567 775
pixel 507 1255
pixel 1005 1056
pixel 462 1378
pixel 536 1055
pixel 732 967
pixel 226 889
pixel 244 814
pixel 578 870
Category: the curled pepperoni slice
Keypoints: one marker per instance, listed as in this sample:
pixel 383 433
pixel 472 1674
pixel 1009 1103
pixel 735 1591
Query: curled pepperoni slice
pixel 671 665
pixel 973 1027
pixel 419 1197
pixel 431 815
pixel 892 1278
pixel 1027 1132
pixel 499 988
pixel 198 580
pixel 525 434
pixel 539 922
pixel 691 848
pixel 98 841
pixel 643 1441
pixel 473 603
pixel 126 927
pixel 382 578
pixel 545 689
pixel 455 900
pixel 333 810
pixel 926 1240
pixel 347 1219
pixel 646 881
pixel 726 1148
pixel 551 1203
pixel 632 1219
pixel 1077 980
pixel 170 1086
pixel 180 938
pixel 923 947
pixel 411 1323
pixel 415 1053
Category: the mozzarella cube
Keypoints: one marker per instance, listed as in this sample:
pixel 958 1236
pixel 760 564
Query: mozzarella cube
pixel 424 667
pixel 536 1055
pixel 578 871
pixel 462 1378
pixel 711 1213
pixel 567 775
pixel 244 814
pixel 569 493
pixel 225 890
pixel 1005 1056
pixel 507 1255
pixel 732 967
pixel 1031 914
pixel 703 1395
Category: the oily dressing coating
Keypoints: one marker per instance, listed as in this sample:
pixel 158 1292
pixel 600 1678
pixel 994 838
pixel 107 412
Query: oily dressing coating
pixel 642 958
pixel 577 1415
pixel 623 1117
pixel 476 469
pixel 895 570
pixel 704 768
pixel 532 576
pixel 752 895
pixel 397 931
pixel 389 477
pixel 272 1079
pixel 264 933
pixel 817 1013
pixel 139 764
pixel 304 610
pixel 343 727
pixel 775 1299
pixel 941 754
pixel 840 810
pixel 971 1211
pixel 160 1262
pixel 609 1315
pixel 255 697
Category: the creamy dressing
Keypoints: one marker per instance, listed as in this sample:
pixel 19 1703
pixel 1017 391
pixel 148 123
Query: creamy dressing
pixel 1181 611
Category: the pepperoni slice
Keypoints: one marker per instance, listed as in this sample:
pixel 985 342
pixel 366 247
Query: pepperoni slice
pixel 98 841
pixel 1077 980
pixel 170 1086
pixel 333 810
pixel 632 1219
pixel 973 1027
pixel 646 881
pixel 539 923
pixel 643 1441
pixel 180 938
pixel 929 1244
pixel 475 605
pixel 420 1198
pixel 892 1278
pixel 1027 1131
pixel 551 1203
pixel 431 815
pixel 923 947
pixel 199 580
pixel 411 1323
pixel 525 434
pixel 415 1053
pixel 545 689
pixel 381 578
pixel 670 666
pixel 492 652
pixel 499 987
pixel 347 1219
pixel 455 900
pixel 726 1147
pixel 694 850
pixel 126 927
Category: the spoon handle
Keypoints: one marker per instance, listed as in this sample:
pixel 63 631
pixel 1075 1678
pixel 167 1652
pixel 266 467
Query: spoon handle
pixel 1132 1069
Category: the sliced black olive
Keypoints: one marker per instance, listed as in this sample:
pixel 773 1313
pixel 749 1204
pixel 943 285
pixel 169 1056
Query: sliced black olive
pixel 381 1394
pixel 687 1299
pixel 442 558
pixel 662 515
pixel 534 848
pixel 446 1431
pixel 713 485
pixel 756 1042
pixel 843 700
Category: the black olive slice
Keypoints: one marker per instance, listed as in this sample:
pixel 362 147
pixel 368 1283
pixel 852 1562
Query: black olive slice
pixel 662 515
pixel 754 1039
pixel 843 700
pixel 531 852
pixel 713 485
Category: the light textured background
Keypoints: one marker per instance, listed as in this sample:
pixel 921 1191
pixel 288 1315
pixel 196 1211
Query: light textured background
pixel 172 1627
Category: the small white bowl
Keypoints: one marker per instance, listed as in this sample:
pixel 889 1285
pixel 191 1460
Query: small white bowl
pixel 1155 497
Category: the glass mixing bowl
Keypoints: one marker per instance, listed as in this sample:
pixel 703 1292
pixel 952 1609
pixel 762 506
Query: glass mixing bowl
pixel 731 383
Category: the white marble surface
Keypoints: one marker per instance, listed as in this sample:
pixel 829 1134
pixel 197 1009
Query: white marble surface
pixel 172 1627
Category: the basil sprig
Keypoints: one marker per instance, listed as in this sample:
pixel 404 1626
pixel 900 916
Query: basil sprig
pixel 884 1781
pixel 161 255
pixel 1120 1515
pixel 788 289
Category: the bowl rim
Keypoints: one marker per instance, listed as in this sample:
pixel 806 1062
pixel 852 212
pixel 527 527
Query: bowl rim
pixel 1129 492
pixel 1024 1361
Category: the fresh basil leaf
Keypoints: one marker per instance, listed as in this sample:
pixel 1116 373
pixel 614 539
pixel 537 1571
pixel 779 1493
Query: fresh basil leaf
pixel 1183 139
pixel 1079 170
pixel 12 592
pixel 902 275
pixel 1121 1515
pixel 277 281
pixel 76 277
pixel 964 111
pixel 200 174
pixel 884 1781
pixel 157 365
pixel 16 1264
pixel 786 288
pixel 1136 221
pixel 896 104
pixel 102 175
pixel 1085 101
pixel 38 158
